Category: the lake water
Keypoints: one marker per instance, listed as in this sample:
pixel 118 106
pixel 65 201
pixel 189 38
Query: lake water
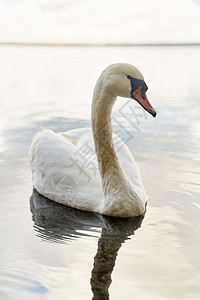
pixel 48 251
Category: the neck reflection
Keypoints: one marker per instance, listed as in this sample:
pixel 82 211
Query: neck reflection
pixel 55 222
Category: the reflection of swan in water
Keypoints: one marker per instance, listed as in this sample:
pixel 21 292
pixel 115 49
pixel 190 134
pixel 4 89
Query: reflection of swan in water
pixel 57 223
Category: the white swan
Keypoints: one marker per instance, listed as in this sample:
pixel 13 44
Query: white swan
pixel 64 168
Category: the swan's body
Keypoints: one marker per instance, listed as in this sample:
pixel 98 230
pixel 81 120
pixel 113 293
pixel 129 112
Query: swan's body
pixel 65 168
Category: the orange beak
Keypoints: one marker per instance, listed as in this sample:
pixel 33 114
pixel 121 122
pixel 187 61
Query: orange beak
pixel 143 101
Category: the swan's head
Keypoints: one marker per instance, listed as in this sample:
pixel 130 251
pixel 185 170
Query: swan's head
pixel 127 81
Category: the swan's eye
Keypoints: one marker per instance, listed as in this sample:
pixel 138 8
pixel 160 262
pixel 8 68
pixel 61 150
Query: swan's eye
pixel 129 77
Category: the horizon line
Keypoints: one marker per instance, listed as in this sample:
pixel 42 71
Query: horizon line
pixel 52 44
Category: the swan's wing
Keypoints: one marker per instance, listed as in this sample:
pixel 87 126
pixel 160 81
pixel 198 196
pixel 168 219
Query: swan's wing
pixel 68 172
pixel 74 135
pixel 61 173
pixel 82 138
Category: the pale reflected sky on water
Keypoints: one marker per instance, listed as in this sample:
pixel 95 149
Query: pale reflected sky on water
pixel 52 87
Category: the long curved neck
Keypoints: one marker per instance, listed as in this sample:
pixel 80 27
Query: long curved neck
pixel 109 166
pixel 102 132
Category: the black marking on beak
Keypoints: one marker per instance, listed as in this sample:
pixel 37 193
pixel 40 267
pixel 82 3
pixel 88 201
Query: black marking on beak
pixel 135 84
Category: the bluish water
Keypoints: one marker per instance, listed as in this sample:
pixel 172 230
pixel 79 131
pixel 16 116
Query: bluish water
pixel 48 251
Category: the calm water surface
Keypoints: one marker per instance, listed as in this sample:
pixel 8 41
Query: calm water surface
pixel 48 251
